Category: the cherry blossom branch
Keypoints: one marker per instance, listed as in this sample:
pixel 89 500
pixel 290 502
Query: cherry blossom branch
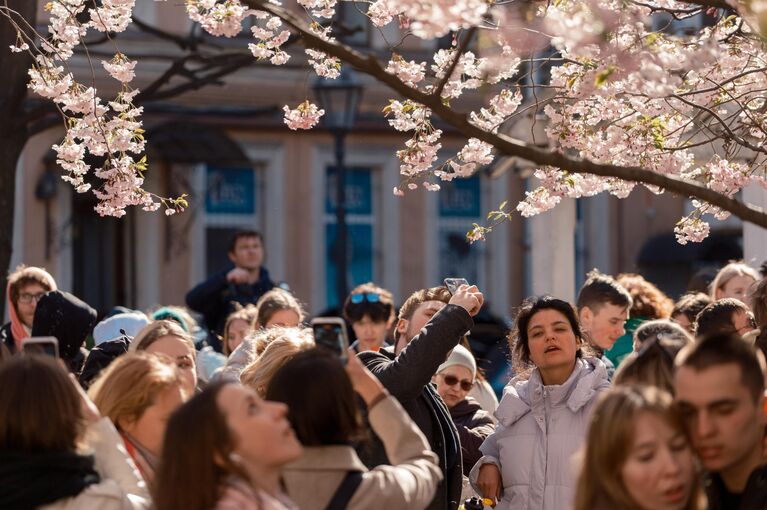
pixel 458 53
pixel 370 65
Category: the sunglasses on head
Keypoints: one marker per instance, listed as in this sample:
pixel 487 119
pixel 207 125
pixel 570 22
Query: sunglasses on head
pixel 452 380
pixel 370 297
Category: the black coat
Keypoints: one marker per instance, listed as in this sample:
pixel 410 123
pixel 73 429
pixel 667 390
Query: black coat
pixel 474 424
pixel 408 378
pixel 754 497
pixel 69 319
pixel 215 297
pixel 6 338
pixel 101 357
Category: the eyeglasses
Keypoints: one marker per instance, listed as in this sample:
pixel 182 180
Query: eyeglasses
pixel 452 380
pixel 27 298
pixel 370 297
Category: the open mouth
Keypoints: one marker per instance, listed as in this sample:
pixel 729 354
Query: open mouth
pixel 675 494
pixel 551 349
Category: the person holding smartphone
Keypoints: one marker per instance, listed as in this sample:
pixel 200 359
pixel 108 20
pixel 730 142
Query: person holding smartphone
pixel 430 324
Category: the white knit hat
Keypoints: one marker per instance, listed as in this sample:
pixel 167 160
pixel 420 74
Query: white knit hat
pixel 460 356
pixel 118 325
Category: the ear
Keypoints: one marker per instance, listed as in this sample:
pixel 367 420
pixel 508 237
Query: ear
pixel 231 256
pixel 402 325
pixel 585 316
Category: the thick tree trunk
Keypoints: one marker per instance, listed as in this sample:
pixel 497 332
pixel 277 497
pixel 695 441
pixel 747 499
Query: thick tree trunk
pixel 13 130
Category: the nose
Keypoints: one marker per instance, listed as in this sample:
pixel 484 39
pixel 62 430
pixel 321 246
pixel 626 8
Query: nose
pixel 278 409
pixel 704 426
pixel 672 465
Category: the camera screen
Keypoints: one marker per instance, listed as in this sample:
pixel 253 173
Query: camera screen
pixel 329 336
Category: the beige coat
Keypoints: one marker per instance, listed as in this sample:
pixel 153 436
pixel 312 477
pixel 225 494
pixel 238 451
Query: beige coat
pixel 121 486
pixel 410 482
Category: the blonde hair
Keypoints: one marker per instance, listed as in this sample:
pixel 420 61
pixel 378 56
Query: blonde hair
pixel 128 386
pixel 284 345
pixel 153 331
pixel 248 314
pixel 730 271
pixel 608 442
pixel 274 301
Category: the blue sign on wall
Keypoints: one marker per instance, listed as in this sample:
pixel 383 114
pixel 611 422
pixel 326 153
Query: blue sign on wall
pixel 359 262
pixel 359 191
pixel 460 198
pixel 230 191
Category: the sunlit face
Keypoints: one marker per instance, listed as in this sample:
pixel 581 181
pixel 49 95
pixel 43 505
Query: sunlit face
pixel 236 333
pixel 736 287
pixel 260 428
pixel 551 340
pixel 149 428
pixel 659 471
pixel 371 334
pixel 286 317
pixel 26 305
pixel 408 329
pixel 726 425
pixel 248 253
pixel 604 326
pixel 180 352
pixel 452 394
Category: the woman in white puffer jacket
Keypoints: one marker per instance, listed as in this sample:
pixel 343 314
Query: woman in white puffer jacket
pixel 543 416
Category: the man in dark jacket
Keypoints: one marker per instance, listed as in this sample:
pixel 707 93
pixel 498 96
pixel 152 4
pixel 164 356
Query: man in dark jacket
pixel 719 385
pixel 215 298
pixel 430 325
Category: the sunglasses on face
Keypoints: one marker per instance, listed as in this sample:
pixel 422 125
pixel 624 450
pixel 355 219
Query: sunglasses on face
pixel 452 380
pixel 370 297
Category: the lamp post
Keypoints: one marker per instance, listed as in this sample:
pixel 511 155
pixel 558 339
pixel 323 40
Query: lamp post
pixel 340 98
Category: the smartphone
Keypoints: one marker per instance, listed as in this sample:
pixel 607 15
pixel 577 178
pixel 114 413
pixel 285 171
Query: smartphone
pixel 330 333
pixel 452 284
pixel 47 345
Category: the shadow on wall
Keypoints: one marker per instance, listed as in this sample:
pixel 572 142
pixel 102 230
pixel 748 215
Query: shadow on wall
pixel 672 266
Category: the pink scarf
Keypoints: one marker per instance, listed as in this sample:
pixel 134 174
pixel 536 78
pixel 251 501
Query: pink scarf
pixel 17 327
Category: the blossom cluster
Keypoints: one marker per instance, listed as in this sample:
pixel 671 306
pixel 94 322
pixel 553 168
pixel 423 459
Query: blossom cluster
pixel 270 39
pixel 218 18
pixel 305 116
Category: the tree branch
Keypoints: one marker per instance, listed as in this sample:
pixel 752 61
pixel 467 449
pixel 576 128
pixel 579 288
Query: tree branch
pixel 370 65
pixel 459 52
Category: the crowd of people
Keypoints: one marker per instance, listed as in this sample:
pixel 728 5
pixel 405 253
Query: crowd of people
pixel 623 400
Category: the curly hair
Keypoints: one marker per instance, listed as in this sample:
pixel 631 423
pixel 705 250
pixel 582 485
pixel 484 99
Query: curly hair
pixel 648 300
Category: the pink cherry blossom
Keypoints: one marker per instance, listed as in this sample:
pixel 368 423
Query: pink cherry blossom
pixel 305 116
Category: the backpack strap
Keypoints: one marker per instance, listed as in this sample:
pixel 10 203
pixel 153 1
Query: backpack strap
pixel 345 491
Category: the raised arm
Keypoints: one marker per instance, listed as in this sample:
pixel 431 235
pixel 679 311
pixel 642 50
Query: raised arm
pixel 411 479
pixel 414 367
pixel 204 297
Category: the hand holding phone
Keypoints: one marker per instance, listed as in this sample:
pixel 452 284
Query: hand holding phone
pixel 453 284
pixel 464 295
pixel 330 333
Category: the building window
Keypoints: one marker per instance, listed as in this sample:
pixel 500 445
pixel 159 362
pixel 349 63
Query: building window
pixel 360 233
pixel 460 205
pixel 232 203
